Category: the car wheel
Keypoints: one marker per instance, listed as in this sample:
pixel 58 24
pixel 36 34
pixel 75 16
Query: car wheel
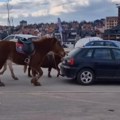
pixel 85 77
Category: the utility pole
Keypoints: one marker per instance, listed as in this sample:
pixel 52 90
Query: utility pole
pixel 8 11
pixel 8 19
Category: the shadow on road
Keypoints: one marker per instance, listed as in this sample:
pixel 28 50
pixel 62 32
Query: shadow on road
pixel 97 82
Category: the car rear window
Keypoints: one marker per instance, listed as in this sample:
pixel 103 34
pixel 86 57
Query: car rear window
pixel 18 38
pixel 88 53
pixel 74 51
pixel 9 38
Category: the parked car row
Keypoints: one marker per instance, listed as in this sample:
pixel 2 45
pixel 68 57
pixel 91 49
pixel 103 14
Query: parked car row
pixel 96 60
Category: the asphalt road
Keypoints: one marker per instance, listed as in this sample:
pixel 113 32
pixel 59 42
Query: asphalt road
pixel 57 99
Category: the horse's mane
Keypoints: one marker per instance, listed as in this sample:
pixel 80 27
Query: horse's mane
pixel 45 43
pixel 43 39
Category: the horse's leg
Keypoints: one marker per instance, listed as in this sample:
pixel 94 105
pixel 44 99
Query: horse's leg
pixel 29 69
pixel 3 61
pixel 1 83
pixel 25 68
pixel 58 69
pixel 49 71
pixel 4 68
pixel 37 73
pixel 29 74
pixel 9 62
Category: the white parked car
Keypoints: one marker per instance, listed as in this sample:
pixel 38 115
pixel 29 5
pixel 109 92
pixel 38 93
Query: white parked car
pixel 15 37
pixel 82 42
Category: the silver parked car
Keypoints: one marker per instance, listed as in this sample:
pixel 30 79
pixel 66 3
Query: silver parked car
pixel 15 37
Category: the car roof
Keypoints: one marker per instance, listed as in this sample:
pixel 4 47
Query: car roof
pixel 106 41
pixel 96 47
pixel 112 41
pixel 23 35
pixel 100 47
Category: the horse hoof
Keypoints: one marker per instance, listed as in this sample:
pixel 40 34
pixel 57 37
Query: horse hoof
pixel 29 75
pixel 15 78
pixel 58 75
pixel 2 84
pixel 37 84
pixel 32 81
pixel 1 73
pixel 62 75
pixel 49 76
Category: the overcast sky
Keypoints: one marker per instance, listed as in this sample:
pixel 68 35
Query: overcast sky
pixel 37 11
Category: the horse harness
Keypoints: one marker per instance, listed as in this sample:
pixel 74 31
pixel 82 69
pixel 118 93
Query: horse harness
pixel 26 47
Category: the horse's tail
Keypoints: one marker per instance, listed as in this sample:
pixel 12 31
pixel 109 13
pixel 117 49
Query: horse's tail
pixel 25 68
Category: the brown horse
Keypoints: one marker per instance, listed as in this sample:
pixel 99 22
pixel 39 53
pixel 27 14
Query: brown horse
pixel 51 61
pixel 42 47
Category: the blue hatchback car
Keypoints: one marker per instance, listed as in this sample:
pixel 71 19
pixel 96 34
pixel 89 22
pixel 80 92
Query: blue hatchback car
pixel 88 64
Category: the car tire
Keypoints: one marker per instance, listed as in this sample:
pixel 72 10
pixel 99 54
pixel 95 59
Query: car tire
pixel 85 77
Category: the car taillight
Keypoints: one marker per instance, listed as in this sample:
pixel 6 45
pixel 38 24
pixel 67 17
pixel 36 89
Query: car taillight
pixel 71 61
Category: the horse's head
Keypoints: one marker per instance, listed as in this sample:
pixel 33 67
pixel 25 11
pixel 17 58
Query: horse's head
pixel 57 48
